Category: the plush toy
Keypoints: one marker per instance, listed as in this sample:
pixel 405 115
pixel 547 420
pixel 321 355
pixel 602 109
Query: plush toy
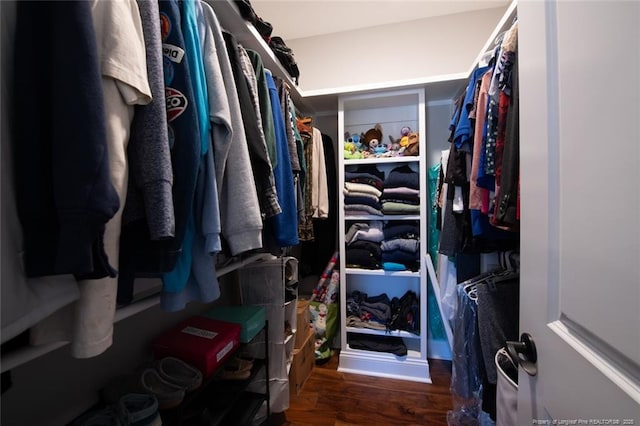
pixel 351 151
pixel 412 148
pixel 373 145
pixel 371 134
pixel 405 131
pixel 393 147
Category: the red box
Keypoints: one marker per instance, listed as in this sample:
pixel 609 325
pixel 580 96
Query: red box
pixel 202 342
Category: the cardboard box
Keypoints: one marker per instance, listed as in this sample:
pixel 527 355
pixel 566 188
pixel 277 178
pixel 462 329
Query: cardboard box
pixel 250 318
pixel 304 359
pixel 303 318
pixel 202 342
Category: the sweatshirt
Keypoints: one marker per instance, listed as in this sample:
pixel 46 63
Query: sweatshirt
pixel 63 187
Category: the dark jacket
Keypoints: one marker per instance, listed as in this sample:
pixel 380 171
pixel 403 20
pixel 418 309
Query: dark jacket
pixel 63 185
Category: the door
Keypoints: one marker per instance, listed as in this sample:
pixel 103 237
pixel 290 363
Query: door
pixel 580 191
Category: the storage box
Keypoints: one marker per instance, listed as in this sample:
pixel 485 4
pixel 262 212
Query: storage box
pixel 302 322
pixel 250 318
pixel 202 342
pixel 303 361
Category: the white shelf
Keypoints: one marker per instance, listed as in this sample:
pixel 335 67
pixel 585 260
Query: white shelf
pixel 23 355
pixel 231 20
pixel 382 160
pixel 395 333
pixel 381 272
pixel 412 367
pixel 383 217
pixel 393 109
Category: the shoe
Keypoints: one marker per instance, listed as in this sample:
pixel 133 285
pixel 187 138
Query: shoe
pixel 264 28
pixel 168 395
pixel 237 369
pixel 107 416
pixel 139 409
pixel 238 363
pixel 179 373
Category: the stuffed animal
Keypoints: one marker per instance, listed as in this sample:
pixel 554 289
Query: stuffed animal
pixel 373 145
pixel 412 148
pixel 351 151
pixel 371 134
pixel 394 147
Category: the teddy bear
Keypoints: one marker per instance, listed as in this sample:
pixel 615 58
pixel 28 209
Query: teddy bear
pixel 371 134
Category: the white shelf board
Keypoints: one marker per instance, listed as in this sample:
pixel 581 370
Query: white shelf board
pixel 394 333
pixel 231 20
pixel 411 367
pixel 382 160
pixel 383 217
pixel 381 272
pixel 23 355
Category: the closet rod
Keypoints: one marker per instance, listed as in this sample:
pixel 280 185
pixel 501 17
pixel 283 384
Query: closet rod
pixel 23 355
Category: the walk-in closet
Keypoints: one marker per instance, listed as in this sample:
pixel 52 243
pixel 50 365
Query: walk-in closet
pixel 234 212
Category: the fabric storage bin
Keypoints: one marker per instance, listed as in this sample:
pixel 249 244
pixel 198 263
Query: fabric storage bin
pixel 506 389
pixel 202 342
pixel 250 318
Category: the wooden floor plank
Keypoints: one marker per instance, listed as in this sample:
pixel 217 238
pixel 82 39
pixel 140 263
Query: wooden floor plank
pixel 331 398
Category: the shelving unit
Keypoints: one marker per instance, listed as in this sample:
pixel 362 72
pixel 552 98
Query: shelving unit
pixel 226 402
pixel 265 284
pixel 356 114
pixel 15 358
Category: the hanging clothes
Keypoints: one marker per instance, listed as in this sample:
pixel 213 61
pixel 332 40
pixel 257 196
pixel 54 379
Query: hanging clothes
pixel 284 226
pixel 122 58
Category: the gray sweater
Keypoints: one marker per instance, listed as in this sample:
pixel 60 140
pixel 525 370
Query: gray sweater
pixel 239 208
pixel 149 193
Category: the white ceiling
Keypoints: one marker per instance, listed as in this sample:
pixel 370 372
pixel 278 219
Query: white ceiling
pixel 292 19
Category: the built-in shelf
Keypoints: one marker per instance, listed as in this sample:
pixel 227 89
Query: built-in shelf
pixel 395 333
pixel 381 272
pixel 244 31
pixel 383 217
pixel 25 354
pixel 381 160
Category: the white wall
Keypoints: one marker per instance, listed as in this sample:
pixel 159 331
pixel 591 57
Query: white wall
pixel 411 50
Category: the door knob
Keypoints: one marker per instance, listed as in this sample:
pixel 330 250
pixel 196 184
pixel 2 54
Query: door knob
pixel 523 353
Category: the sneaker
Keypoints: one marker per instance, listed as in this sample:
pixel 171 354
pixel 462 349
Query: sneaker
pixel 138 409
pixel 107 416
pixel 168 394
pixel 179 373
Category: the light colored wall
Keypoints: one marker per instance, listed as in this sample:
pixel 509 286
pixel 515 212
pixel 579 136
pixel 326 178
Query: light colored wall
pixel 412 50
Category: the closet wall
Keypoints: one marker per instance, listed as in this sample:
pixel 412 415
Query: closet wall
pixel 385 54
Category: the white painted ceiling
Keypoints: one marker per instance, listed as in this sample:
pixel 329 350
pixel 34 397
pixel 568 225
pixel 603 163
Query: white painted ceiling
pixel 293 19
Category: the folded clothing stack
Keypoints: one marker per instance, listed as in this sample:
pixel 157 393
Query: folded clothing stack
pixel 401 246
pixel 363 245
pixel 363 187
pixel 401 193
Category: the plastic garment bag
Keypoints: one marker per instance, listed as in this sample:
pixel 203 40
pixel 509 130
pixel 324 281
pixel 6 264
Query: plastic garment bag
pixel 466 386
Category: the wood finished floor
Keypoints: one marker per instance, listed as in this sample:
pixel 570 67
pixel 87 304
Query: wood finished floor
pixel 330 398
